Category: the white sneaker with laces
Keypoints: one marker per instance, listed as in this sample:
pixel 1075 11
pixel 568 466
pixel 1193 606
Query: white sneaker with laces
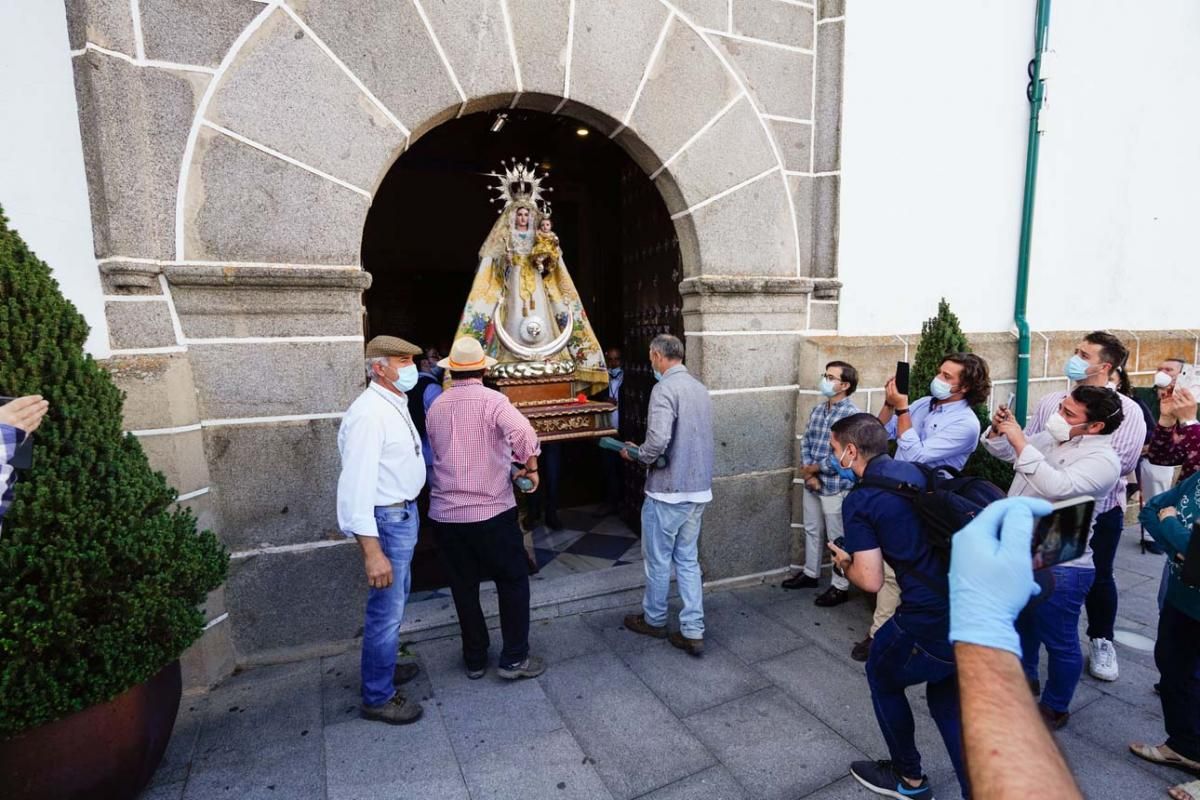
pixel 1102 660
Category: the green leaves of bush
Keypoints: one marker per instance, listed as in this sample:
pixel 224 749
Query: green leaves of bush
pixel 100 575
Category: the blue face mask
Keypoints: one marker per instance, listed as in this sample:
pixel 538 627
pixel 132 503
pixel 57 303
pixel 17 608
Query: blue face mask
pixel 615 372
pixel 827 388
pixel 1076 368
pixel 939 389
pixel 846 473
pixel 657 375
pixel 406 377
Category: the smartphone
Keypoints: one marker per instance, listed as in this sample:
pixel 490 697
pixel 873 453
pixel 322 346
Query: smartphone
pixel 1012 398
pixel 1062 535
pixel 1190 574
pixel 23 457
pixel 1189 378
pixel 902 377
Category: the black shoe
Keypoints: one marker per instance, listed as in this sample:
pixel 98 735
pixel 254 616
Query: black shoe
pixel 800 581
pixel 881 778
pixel 404 673
pixel 1053 719
pixel 1035 686
pixel 861 650
pixel 1152 547
pixel 832 597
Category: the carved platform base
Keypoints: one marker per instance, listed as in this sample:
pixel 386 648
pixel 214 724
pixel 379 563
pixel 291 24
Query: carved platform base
pixel 554 411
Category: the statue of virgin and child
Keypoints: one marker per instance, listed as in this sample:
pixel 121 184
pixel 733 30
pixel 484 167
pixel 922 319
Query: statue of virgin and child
pixel 523 306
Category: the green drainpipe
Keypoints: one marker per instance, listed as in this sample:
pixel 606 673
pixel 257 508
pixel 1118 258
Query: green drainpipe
pixel 1037 94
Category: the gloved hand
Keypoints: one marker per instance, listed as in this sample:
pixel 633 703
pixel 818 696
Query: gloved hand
pixel 991 573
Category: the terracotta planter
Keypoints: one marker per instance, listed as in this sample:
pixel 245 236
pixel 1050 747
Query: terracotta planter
pixel 106 752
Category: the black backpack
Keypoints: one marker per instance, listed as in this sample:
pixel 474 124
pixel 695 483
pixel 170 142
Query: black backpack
pixel 945 504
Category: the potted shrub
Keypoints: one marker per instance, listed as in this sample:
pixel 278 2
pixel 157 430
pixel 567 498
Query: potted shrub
pixel 101 575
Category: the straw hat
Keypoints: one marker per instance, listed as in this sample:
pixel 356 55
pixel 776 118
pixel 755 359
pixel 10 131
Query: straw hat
pixel 391 346
pixel 466 356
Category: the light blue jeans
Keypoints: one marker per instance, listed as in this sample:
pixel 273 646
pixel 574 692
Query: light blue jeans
pixel 671 535
pixel 398 528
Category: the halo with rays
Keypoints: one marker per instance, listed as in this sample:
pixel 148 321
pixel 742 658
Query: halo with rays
pixel 520 181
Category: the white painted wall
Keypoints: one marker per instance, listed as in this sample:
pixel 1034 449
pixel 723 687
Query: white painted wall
pixel 43 188
pixel 933 157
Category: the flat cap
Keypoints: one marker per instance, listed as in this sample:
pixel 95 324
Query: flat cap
pixel 391 346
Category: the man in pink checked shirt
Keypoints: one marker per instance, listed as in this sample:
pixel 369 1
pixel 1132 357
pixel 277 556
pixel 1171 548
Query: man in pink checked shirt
pixel 476 435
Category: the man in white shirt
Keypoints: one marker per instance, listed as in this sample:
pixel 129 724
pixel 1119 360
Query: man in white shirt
pixel 383 472
pixel 1072 457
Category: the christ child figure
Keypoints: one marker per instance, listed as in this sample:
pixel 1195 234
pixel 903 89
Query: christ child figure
pixel 546 251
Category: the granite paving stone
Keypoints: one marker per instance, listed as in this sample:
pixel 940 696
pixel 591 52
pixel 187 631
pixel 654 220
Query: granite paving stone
pixel 715 678
pixel 365 759
pixel 714 783
pixel 745 630
pixel 485 713
pixel 1100 775
pixel 634 740
pixel 1112 724
pixel 564 638
pixel 546 765
pixel 772 746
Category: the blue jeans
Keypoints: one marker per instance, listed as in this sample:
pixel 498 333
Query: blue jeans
pixel 1054 622
pixel 398 526
pixel 899 660
pixel 671 535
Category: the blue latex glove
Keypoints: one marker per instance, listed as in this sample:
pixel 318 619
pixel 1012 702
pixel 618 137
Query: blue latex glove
pixel 991 573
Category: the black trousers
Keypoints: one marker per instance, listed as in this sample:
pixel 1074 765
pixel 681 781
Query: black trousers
pixel 489 550
pixel 1177 656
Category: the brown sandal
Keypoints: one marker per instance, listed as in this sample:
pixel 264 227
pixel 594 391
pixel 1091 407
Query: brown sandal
pixel 1159 754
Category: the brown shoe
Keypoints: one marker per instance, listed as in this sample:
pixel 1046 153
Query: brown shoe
pixel 693 647
pixel 1053 719
pixel 405 672
pixel 397 711
pixel 531 667
pixel 861 650
pixel 637 624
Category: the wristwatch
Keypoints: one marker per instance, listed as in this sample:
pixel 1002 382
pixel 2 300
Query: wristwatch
pixel 900 411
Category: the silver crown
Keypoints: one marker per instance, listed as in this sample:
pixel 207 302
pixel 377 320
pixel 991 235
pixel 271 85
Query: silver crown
pixel 520 181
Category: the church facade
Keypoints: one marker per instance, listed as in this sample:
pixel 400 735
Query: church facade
pixel 232 151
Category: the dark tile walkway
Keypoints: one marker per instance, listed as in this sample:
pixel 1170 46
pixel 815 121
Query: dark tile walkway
pixel 775 709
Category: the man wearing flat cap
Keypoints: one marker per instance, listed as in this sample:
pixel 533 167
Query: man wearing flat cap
pixel 383 472
pixel 477 435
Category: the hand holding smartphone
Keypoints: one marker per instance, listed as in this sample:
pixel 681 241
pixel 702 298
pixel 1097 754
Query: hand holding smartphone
pixel 902 374
pixel 1062 535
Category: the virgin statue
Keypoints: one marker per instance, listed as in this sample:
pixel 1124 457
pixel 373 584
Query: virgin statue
pixel 523 306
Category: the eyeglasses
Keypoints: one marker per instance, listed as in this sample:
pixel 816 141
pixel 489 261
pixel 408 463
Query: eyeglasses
pixel 834 378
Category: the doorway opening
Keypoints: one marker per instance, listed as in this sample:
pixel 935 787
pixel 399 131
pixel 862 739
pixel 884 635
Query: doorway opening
pixel 421 239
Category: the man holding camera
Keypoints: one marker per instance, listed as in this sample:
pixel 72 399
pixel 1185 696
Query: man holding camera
pixel 912 647
pixel 1073 457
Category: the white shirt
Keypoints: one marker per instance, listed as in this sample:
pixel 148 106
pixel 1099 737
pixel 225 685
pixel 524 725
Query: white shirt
pixel 381 459
pixel 1084 465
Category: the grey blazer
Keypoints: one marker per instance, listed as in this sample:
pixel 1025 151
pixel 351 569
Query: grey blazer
pixel 679 424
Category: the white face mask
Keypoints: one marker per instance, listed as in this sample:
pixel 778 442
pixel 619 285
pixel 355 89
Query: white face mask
pixel 1162 380
pixel 1058 427
pixel 940 389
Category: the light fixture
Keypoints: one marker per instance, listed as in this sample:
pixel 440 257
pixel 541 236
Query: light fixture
pixel 581 132
pixel 499 123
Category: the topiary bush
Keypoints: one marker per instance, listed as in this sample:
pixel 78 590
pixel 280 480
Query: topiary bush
pixel 100 575
pixel 941 335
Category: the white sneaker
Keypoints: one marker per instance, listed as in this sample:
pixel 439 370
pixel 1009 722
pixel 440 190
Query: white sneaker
pixel 1102 660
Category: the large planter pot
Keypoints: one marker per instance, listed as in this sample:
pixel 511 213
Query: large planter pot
pixel 106 752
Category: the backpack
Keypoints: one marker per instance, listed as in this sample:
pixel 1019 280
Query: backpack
pixel 945 504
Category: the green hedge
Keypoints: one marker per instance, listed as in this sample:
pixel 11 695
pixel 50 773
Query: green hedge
pixel 100 575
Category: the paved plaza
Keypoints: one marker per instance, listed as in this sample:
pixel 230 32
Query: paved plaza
pixel 775 709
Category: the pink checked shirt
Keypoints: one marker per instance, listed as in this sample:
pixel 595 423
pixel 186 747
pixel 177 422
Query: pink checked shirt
pixel 475 434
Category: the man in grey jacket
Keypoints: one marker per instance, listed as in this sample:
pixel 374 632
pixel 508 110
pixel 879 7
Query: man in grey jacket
pixel 679 426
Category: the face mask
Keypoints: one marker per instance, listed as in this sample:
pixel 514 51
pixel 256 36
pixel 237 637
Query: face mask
pixel 1076 368
pixel 846 473
pixel 827 387
pixel 939 389
pixel 1058 428
pixel 615 372
pixel 657 375
pixel 406 378
pixel 1162 380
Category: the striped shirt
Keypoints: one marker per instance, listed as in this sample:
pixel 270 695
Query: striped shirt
pixel 10 437
pixel 815 448
pixel 476 434
pixel 1126 440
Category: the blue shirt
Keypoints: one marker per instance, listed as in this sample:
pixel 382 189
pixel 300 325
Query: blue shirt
pixel 941 436
pixel 815 449
pixel 875 518
pixel 10 437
